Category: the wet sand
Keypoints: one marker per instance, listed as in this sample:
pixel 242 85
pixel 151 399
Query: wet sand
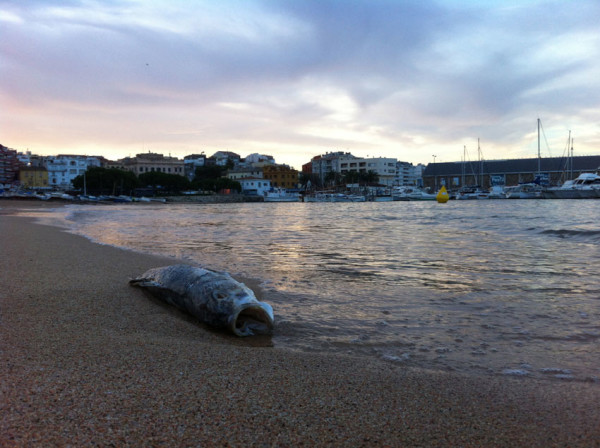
pixel 87 360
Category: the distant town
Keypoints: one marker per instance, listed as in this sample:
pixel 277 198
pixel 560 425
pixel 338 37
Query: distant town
pixel 257 174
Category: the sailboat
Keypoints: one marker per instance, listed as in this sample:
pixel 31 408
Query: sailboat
pixel 529 190
pixel 473 192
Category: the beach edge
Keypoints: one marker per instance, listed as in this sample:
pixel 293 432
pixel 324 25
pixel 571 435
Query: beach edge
pixel 86 359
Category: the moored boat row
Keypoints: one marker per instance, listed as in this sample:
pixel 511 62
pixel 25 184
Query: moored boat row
pixel 585 186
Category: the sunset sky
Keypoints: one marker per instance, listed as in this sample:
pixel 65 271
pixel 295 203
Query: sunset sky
pixel 298 78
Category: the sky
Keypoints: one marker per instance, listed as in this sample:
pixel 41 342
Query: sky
pixel 418 81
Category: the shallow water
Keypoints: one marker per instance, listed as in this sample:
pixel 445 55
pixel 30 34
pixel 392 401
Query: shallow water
pixel 484 287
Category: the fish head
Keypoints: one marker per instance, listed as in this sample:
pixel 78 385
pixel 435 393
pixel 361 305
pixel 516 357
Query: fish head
pixel 246 316
pixel 252 318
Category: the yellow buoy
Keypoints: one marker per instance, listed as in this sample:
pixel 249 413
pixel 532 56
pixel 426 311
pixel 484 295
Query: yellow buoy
pixel 442 196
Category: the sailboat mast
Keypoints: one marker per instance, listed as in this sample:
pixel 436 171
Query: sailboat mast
pixel 480 164
pixel 463 165
pixel 539 154
pixel 571 156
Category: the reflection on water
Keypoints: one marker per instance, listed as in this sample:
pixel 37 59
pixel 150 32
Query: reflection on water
pixel 477 286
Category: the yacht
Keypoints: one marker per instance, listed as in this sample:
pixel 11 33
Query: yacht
pixel 472 193
pixel 407 193
pixel 585 186
pixel 281 195
pixel 524 191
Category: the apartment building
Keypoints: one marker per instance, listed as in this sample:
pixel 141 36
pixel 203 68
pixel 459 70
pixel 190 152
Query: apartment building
pixel 148 162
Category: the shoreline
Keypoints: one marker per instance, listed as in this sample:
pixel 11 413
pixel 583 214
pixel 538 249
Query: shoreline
pixel 181 199
pixel 86 359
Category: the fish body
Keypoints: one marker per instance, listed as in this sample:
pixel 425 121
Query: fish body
pixel 214 298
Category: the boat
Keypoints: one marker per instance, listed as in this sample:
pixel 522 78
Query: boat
pixel 318 196
pixel 409 193
pixel 497 192
pixel 61 195
pixel 469 193
pixel 345 197
pixel 585 186
pixel 535 189
pixel 281 195
pixel 334 197
pixel 529 190
pixel 122 199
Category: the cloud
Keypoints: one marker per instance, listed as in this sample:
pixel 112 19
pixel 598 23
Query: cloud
pixel 389 76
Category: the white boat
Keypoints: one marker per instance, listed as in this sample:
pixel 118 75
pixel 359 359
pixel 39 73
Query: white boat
pixel 472 193
pixel 334 197
pixel 407 193
pixel 524 191
pixel 281 195
pixel 61 195
pixel 344 197
pixel 318 196
pixel 122 199
pixel 497 192
pixel 585 186
pixel 529 190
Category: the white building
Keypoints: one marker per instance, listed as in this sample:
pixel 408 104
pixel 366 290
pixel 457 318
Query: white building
pixel 191 162
pixel 328 163
pixel 24 158
pixel 408 174
pixel 222 157
pixel 258 159
pixel 62 169
pixel 343 163
pixel 384 167
pixel 255 186
pixel 419 169
pixel 150 162
pixel 244 172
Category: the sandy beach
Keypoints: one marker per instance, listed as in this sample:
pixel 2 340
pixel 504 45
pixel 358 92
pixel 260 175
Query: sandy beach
pixel 87 360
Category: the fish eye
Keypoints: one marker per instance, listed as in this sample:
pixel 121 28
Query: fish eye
pixel 219 295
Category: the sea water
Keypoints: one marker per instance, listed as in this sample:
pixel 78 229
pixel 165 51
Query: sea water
pixel 480 287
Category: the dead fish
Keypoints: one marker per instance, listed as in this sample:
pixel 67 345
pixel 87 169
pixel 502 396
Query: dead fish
pixel 215 298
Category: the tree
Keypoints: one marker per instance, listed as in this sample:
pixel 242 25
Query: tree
pixel 168 183
pixel 106 181
pixel 210 178
pixel 209 172
pixel 370 177
pixel 224 183
pixel 352 177
pixel 331 178
pixel 313 178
